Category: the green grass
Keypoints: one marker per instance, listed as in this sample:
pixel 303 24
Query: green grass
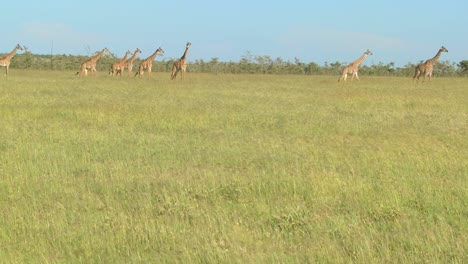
pixel 232 169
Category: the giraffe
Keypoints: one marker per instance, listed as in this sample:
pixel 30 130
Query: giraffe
pixel 91 63
pixel 118 66
pixel 427 67
pixel 354 67
pixel 5 61
pixel 129 63
pixel 148 63
pixel 181 64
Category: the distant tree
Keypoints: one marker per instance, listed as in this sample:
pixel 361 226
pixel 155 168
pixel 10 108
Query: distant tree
pixel 463 66
pixel 444 68
pixel 298 67
pixel 313 68
pixel 335 68
pixel 28 57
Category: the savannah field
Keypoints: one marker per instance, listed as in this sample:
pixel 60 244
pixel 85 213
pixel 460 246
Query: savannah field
pixel 232 169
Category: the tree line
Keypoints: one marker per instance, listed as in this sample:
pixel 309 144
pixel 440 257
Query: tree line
pixel 250 64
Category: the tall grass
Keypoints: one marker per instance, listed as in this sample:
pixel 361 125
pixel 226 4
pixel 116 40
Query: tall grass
pixel 232 168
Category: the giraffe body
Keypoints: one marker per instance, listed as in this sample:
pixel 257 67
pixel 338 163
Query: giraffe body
pixel 6 60
pixel 427 67
pixel 147 64
pixel 90 64
pixel 118 67
pixel 353 68
pixel 181 64
pixel 129 63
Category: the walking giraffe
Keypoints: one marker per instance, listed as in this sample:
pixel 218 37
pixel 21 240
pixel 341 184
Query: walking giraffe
pixel 428 66
pixel 129 63
pixel 118 66
pixel 148 63
pixel 354 67
pixel 5 61
pixel 181 64
pixel 91 63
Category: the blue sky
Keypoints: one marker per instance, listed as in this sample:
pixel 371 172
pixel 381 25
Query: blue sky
pixel 327 31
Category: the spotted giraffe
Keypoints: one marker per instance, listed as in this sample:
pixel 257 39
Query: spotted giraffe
pixel 5 61
pixel 147 64
pixel 354 67
pixel 427 67
pixel 181 64
pixel 129 63
pixel 118 66
pixel 91 63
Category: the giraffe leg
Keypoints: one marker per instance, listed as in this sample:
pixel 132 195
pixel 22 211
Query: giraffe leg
pixel 80 73
pixel 354 74
pixel 417 72
pixel 141 71
pixel 182 72
pixel 343 75
pixel 174 72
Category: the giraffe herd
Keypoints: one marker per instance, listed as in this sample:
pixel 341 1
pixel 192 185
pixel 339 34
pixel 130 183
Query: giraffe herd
pixel 426 68
pixel 118 67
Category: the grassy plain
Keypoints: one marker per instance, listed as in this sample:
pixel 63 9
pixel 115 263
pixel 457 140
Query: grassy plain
pixel 232 169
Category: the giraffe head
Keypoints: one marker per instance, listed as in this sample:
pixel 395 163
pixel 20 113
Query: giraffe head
pixel 137 51
pixel 188 45
pixel 18 47
pixel 443 49
pixel 160 51
pixel 368 52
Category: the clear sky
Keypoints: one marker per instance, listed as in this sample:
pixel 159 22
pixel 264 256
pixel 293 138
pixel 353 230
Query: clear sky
pixel 399 31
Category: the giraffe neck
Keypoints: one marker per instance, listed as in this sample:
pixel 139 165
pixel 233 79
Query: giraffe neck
pixel 11 54
pixel 184 56
pixel 99 55
pixel 151 58
pixel 360 60
pixel 133 57
pixel 124 59
pixel 436 57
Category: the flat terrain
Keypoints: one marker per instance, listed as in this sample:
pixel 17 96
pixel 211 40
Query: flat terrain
pixel 232 169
